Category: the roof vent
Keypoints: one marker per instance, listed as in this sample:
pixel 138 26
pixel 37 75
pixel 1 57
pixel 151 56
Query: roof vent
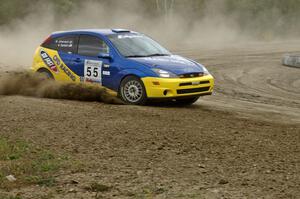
pixel 120 30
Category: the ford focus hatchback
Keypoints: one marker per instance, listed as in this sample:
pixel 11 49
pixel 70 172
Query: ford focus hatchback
pixel 130 63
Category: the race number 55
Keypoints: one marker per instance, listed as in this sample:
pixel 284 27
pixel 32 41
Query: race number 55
pixel 92 70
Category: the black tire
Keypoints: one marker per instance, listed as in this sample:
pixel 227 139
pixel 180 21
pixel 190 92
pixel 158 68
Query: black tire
pixel 186 101
pixel 132 91
pixel 46 73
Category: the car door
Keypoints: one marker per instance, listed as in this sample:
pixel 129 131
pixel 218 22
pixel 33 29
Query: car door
pixel 86 63
pixel 66 46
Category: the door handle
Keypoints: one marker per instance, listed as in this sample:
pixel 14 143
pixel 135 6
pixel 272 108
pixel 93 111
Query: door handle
pixel 77 60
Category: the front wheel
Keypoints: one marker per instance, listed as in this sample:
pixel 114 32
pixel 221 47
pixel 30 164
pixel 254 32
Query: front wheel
pixel 132 91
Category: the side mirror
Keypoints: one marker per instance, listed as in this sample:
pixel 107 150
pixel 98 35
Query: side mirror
pixel 104 56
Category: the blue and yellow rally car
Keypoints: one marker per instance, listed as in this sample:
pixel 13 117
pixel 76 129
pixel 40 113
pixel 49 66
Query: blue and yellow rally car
pixel 130 63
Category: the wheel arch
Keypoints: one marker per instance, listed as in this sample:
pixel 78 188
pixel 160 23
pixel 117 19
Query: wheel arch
pixel 126 73
pixel 44 69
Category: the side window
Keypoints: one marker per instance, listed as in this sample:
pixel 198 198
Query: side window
pixel 67 44
pixel 91 46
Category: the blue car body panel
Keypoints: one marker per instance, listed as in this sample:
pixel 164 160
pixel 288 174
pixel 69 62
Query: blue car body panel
pixel 174 63
pixel 119 66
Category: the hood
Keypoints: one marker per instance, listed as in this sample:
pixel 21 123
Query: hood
pixel 174 63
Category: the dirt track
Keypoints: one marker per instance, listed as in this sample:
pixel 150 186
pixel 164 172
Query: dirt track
pixel 243 142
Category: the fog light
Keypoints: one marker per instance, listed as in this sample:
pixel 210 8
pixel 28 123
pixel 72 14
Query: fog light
pixel 165 92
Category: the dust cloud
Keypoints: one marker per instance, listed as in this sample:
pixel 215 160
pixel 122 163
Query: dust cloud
pixel 177 30
pixel 174 30
pixel 36 85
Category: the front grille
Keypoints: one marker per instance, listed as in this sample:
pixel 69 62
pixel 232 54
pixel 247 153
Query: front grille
pixel 191 83
pixel 191 75
pixel 193 90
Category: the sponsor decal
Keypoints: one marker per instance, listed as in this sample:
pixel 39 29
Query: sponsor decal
pixel 129 36
pixel 106 65
pixel 64 68
pixel 48 61
pixel 57 60
pixel 90 80
pixel 106 72
pixel 68 72
pixel 64 43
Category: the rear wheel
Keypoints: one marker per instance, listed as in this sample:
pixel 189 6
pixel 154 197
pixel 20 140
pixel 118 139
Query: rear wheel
pixel 47 74
pixel 132 91
pixel 187 101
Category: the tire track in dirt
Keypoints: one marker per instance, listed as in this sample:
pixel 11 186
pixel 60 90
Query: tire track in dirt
pixel 252 81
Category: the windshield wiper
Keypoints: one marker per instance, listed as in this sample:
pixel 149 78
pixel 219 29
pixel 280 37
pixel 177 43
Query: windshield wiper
pixel 151 55
pixel 136 56
pixel 157 54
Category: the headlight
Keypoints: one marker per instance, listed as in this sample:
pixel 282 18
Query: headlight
pixel 163 73
pixel 205 71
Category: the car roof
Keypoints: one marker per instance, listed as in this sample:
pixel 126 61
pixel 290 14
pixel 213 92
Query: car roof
pixel 104 32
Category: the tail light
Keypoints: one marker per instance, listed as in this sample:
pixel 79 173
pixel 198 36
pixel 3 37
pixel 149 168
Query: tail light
pixel 47 40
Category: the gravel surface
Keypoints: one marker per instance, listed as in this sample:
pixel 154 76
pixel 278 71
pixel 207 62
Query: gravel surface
pixel 242 142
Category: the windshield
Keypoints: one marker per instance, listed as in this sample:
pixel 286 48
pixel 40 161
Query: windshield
pixel 137 45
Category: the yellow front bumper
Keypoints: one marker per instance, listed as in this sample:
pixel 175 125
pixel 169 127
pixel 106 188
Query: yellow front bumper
pixel 178 87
